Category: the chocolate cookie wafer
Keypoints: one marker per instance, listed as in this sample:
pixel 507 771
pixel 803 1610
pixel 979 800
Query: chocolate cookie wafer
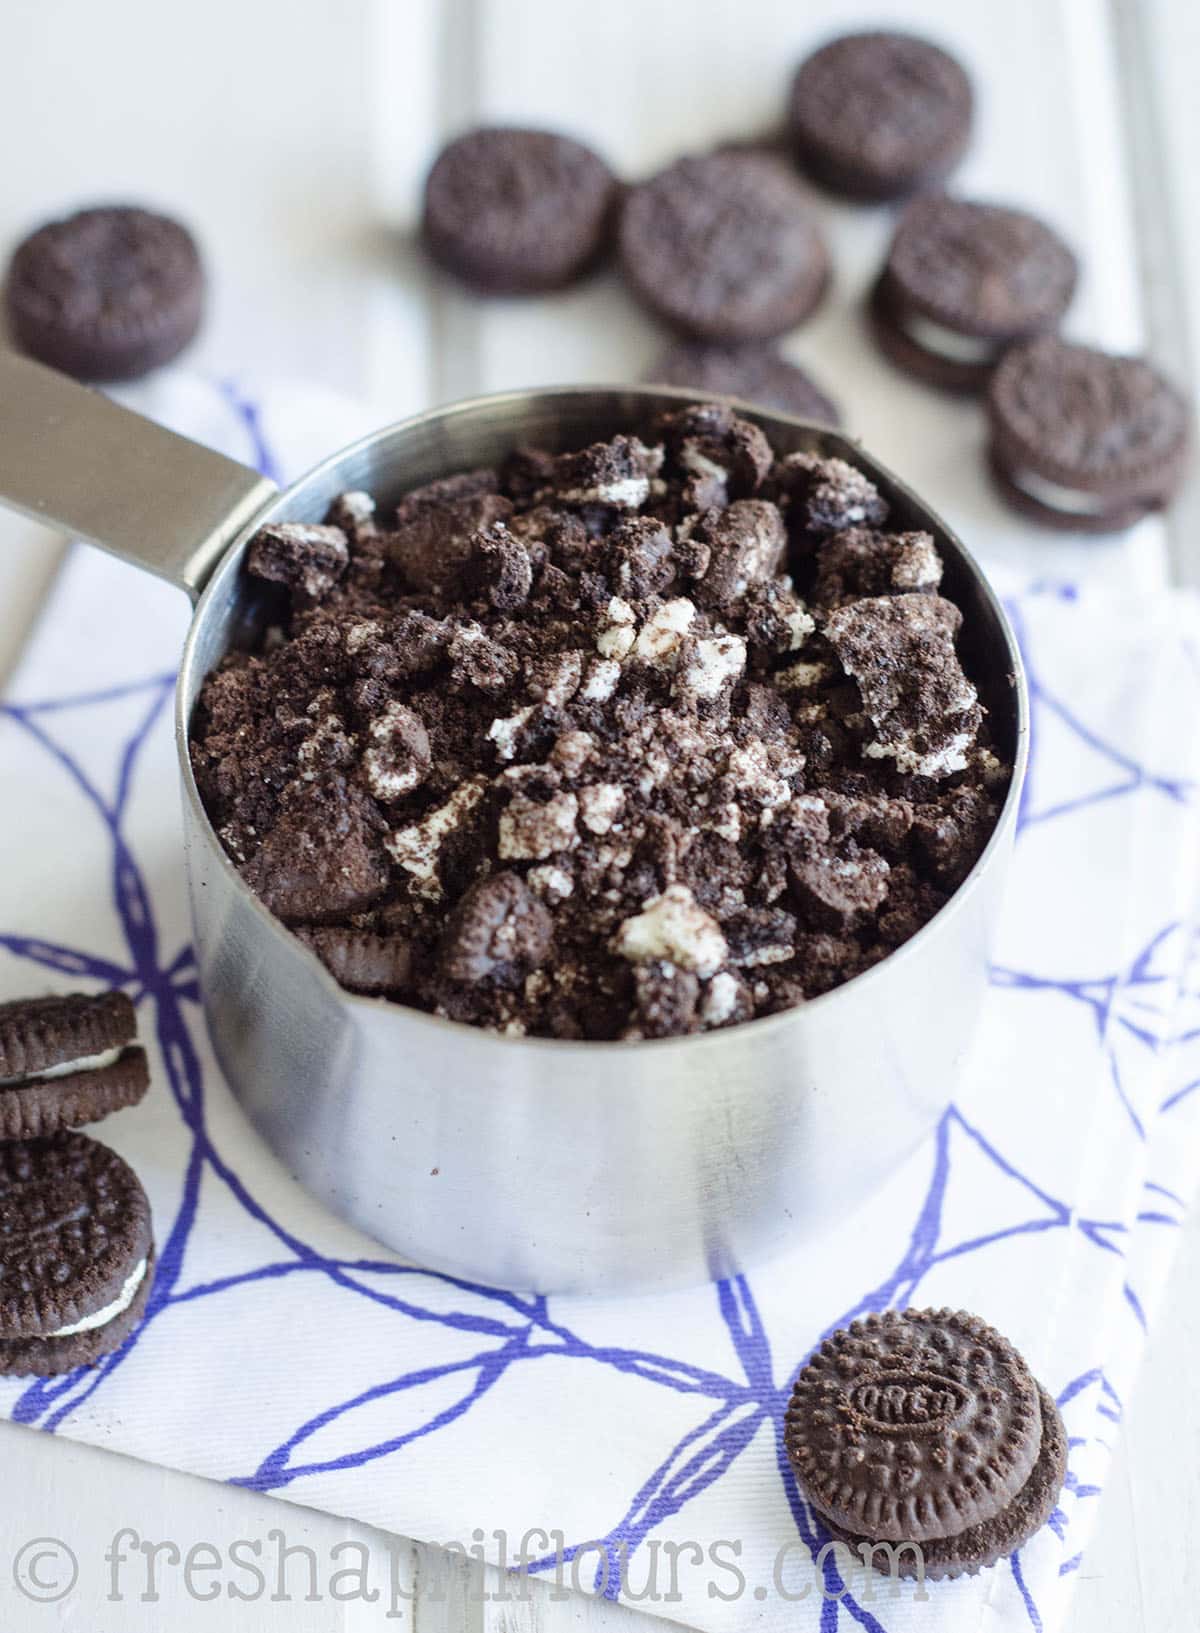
pixel 925 1427
pixel 76 1253
pixel 362 962
pixel 67 1060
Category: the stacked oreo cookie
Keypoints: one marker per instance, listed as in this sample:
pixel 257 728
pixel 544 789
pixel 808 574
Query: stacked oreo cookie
pixel 76 1249
pixel 920 1436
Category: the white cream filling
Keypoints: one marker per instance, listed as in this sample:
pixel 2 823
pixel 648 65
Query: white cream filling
pixel 416 849
pixel 551 881
pixel 720 1000
pixel 727 824
pixel 531 832
pixel 662 632
pixel 603 678
pixel 765 955
pixel 619 632
pixel 940 763
pixel 948 343
pixel 110 1312
pixel 85 1063
pixel 700 464
pixel 356 507
pixel 628 492
pixel 600 804
pixel 800 676
pixel 676 928
pixel 800 625
pixel 1057 497
pixel 715 662
pixel 504 732
pixel 918 565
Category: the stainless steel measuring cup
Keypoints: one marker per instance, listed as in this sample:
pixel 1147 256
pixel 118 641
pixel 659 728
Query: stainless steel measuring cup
pixel 560 1166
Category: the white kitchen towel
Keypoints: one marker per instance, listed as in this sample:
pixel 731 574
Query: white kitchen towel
pixel 284 1351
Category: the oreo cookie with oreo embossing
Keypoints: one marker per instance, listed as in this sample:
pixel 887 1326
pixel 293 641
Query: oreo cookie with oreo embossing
pixel 925 1428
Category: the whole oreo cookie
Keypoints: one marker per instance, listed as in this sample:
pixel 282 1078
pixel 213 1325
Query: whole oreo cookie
pixel 76 1253
pixel 963 281
pixel 107 294
pixel 517 211
pixel 67 1060
pixel 752 373
pixel 724 247
pixel 1083 440
pixel 925 1426
pixel 878 115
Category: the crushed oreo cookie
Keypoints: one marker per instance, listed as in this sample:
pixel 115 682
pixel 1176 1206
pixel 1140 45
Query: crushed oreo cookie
pixel 634 741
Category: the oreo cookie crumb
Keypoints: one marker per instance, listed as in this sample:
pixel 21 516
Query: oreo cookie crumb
pixel 299 554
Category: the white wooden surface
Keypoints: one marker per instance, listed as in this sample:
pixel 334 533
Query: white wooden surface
pixel 294 133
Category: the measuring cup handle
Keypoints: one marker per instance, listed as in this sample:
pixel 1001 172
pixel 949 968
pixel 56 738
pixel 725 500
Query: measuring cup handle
pixel 73 459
